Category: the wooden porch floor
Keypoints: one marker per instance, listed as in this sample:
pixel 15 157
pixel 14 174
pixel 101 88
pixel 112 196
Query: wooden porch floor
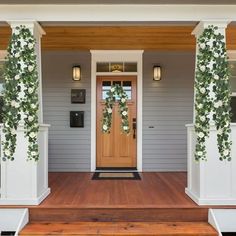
pixel 158 190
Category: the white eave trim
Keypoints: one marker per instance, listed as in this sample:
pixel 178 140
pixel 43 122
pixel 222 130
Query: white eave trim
pixel 114 13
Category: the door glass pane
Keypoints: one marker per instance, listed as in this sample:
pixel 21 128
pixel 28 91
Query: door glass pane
pixel 106 86
pixel 117 82
pixel 103 67
pixel 130 67
pixel 127 86
pixel 233 107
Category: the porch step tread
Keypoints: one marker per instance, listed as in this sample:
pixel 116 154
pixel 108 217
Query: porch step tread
pixel 120 228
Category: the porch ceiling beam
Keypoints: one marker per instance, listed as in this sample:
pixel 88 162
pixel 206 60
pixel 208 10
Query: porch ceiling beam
pixel 117 13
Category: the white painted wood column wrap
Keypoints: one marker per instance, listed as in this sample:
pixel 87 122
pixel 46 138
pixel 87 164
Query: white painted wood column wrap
pixel 198 30
pixel 37 31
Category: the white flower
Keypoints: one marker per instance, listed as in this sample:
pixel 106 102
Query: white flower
pixel 200 106
pixel 13 103
pixel 199 153
pixel 218 104
pixel 210 43
pixel 226 152
pixel 17 77
pixel 17 105
pixel 32 135
pixel 30 45
pixel 30 68
pixel 104 127
pixel 202 68
pixel 23 42
pixel 112 90
pixel 202 45
pixel 7 152
pixel 17 55
pixel 13 131
pixel 201 135
pixel 202 90
pixel 16 32
pixel 125 128
pixel 220 131
pixel 30 90
pixel 216 54
pixel 33 153
pixel 124 113
pixel 123 100
pixel 109 110
pixel 202 118
pixel 30 118
pixel 33 106
pixel 216 77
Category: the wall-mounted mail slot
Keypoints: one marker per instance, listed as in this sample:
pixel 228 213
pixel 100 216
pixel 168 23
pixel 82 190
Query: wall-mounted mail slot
pixel 77 119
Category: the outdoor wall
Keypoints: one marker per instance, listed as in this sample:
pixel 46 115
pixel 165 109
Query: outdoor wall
pixel 168 106
pixel 69 148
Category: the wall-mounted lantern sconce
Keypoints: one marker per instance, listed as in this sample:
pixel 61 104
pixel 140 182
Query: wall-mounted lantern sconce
pixel 76 73
pixel 157 73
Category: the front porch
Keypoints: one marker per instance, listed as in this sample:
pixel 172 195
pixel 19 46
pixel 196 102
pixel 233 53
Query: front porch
pixel 152 203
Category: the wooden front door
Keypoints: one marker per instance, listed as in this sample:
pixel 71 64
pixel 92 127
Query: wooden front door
pixel 116 149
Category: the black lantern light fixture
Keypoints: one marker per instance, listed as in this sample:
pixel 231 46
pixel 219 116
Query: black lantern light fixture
pixel 76 73
pixel 156 73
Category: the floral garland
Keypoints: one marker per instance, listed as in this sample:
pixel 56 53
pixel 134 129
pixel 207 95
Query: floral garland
pixel 116 90
pixel 212 93
pixel 20 93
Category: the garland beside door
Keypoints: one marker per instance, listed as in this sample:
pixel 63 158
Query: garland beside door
pixel 21 93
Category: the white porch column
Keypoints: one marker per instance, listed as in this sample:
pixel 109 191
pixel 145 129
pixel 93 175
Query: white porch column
pixel 211 182
pixel 38 32
pixel 26 182
pixel 198 30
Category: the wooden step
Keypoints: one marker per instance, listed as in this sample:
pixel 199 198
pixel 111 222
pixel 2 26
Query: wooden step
pixel 118 214
pixel 120 228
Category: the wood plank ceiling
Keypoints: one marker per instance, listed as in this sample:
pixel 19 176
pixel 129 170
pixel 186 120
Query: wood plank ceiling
pixel 118 37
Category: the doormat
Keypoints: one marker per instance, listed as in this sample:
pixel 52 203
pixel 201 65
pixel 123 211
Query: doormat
pixel 116 175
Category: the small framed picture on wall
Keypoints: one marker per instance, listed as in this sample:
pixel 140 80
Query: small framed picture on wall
pixel 78 95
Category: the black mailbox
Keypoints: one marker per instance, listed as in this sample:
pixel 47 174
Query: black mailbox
pixel 77 119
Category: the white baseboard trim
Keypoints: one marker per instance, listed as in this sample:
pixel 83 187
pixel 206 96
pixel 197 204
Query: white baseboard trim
pixel 210 201
pixel 28 201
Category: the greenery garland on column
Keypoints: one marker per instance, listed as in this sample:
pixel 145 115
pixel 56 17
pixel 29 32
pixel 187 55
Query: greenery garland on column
pixel 212 93
pixel 116 90
pixel 21 93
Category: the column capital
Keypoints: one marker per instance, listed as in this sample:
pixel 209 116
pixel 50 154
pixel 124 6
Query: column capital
pixel 33 25
pixel 221 24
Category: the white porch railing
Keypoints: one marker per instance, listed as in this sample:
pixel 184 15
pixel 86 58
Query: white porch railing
pixel 211 182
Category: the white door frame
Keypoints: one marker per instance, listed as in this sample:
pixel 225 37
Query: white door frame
pixel 117 56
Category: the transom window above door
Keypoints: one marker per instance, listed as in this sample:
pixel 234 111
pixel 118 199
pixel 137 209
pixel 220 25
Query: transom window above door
pixel 116 67
pixel 127 86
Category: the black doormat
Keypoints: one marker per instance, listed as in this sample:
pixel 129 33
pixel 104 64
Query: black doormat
pixel 116 175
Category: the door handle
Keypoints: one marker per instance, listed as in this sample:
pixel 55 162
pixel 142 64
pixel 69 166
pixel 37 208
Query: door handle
pixel 134 128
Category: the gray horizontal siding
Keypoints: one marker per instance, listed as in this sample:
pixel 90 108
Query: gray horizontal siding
pixel 69 148
pixel 167 107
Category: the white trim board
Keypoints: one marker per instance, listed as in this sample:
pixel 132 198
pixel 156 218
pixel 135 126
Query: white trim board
pixel 124 56
pixel 116 13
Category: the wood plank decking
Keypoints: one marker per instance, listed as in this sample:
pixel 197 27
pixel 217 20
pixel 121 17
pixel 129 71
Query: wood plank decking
pixel 155 205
